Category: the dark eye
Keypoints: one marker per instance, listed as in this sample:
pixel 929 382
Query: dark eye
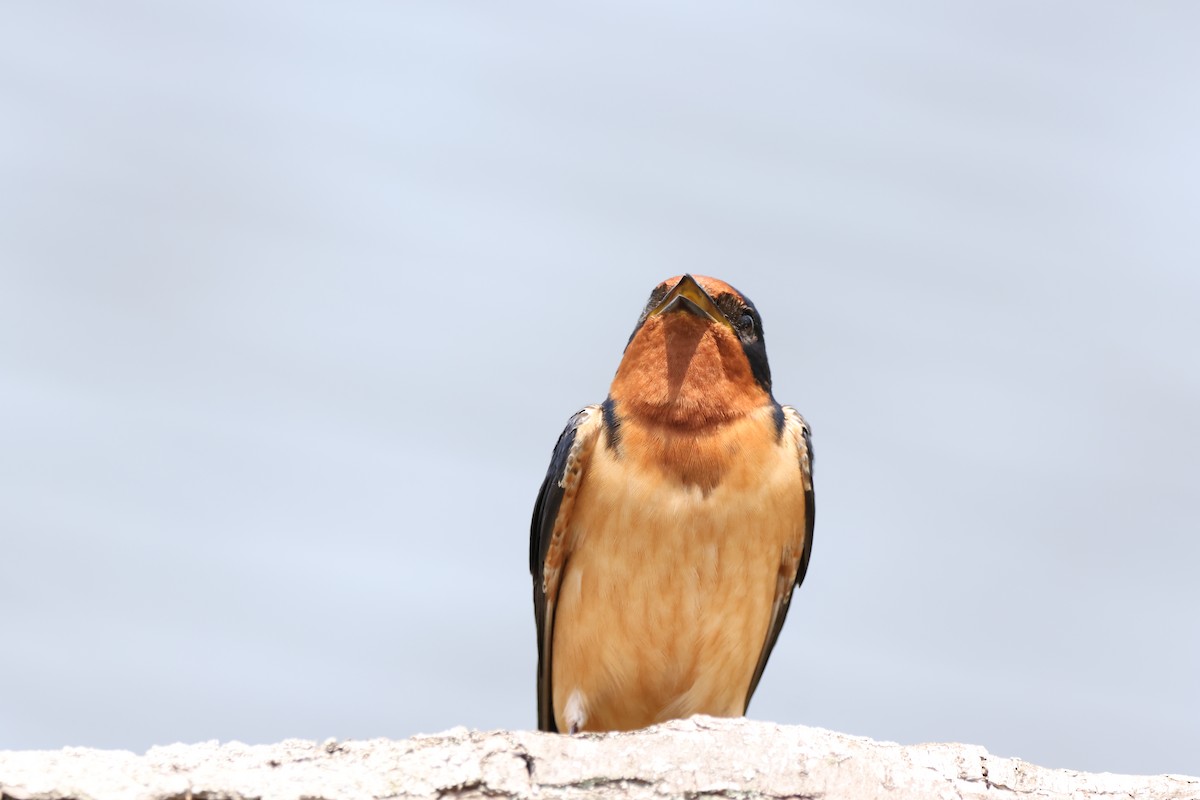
pixel 746 324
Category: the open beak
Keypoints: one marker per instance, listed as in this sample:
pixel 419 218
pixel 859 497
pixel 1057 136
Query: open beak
pixel 688 296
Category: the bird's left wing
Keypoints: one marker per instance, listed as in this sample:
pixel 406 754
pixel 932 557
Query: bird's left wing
pixel 794 564
pixel 548 544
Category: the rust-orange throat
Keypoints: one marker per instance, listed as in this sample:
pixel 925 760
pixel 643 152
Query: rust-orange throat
pixel 697 357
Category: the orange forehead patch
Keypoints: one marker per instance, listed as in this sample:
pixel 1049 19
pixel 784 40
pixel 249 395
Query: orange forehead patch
pixel 713 286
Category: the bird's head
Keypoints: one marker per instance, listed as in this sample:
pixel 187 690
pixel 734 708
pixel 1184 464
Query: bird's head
pixel 696 356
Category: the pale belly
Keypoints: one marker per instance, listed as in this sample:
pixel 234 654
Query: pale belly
pixel 667 594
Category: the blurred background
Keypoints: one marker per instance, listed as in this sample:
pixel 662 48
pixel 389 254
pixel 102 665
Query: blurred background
pixel 295 299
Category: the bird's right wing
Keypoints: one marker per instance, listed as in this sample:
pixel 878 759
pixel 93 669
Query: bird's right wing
pixel 548 540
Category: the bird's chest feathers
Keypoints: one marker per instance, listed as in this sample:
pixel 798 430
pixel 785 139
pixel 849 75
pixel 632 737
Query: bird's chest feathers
pixel 667 593
pixel 696 484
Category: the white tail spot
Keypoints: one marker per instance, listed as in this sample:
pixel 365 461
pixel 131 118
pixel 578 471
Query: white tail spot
pixel 575 712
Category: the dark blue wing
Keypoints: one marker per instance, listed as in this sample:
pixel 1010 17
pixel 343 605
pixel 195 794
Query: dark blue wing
pixel 545 512
pixel 779 615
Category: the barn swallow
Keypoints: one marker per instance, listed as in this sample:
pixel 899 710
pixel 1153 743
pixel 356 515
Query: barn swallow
pixel 673 524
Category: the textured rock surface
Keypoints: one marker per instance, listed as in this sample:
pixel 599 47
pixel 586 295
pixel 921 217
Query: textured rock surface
pixel 697 758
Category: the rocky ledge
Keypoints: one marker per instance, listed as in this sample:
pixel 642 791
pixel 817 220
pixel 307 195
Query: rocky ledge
pixel 697 758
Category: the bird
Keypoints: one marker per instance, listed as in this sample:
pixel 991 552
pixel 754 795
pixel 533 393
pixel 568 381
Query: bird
pixel 673 525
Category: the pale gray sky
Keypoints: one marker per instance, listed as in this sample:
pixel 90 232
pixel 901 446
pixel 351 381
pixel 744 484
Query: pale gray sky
pixel 295 298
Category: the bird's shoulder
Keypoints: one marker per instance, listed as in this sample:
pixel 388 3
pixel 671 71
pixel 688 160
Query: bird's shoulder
pixel 567 461
pixel 797 431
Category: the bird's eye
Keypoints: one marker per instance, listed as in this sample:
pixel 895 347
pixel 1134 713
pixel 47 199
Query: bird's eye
pixel 746 324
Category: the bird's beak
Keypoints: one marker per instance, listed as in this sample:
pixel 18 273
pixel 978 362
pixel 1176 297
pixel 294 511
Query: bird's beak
pixel 688 296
